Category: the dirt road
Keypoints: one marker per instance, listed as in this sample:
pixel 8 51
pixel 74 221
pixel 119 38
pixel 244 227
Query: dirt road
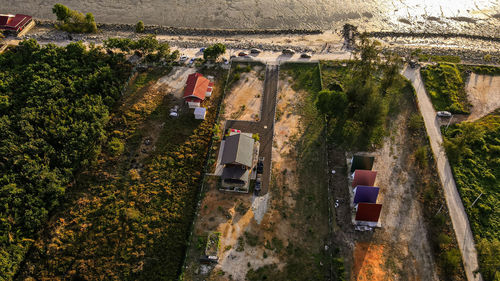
pixel 458 216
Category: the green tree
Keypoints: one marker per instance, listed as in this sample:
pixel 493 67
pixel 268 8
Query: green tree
pixel 214 51
pixel 62 12
pixel 331 103
pixel 139 27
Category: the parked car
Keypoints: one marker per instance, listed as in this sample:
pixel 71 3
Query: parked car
pixel 260 165
pixel 305 56
pixel 242 54
pixel 183 58
pixel 202 49
pixel 255 51
pixel 191 61
pixel 288 52
pixel 444 114
pixel 225 60
pixel 258 184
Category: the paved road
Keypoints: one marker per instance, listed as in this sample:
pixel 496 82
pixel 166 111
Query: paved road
pixel 265 127
pixel 458 216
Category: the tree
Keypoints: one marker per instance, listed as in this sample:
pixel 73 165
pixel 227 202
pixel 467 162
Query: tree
pixel 139 27
pixel 214 51
pixel 62 12
pixel 331 103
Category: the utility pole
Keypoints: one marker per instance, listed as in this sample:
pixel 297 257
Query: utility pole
pixel 448 123
pixel 476 200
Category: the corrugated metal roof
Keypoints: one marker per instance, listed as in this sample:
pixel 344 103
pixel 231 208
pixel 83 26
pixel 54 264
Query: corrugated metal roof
pixel 364 177
pixel 362 162
pixel 17 22
pixel 368 212
pixel 196 86
pixel 366 194
pixel 238 149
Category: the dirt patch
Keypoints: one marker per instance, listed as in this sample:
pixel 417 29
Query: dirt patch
pixel 368 263
pixel 483 92
pixel 175 82
pixel 287 123
pixel 244 101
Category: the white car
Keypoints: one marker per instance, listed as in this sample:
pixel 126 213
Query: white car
pixel 444 114
pixel 183 58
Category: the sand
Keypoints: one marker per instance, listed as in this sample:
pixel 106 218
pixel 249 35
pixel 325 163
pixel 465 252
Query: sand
pixel 483 92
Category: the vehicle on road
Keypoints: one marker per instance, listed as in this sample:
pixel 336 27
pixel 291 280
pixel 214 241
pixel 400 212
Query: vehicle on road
pixel 260 165
pixel 191 61
pixel 225 60
pixel 202 49
pixel 183 58
pixel 258 184
pixel 444 114
pixel 288 52
pixel 255 51
pixel 305 56
pixel 242 54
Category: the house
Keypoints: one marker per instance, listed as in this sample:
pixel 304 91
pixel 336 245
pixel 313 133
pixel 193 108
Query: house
pixel 197 89
pixel 237 158
pixel 359 162
pixel 364 177
pixel 18 24
pixel 199 113
pixel 365 194
pixel 368 214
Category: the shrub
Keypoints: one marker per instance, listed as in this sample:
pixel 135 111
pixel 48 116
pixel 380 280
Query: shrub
pixel 139 27
pixel 116 146
pixel 451 261
pixel 421 156
pixel 74 21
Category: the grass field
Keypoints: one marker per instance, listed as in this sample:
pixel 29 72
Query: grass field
pixel 446 87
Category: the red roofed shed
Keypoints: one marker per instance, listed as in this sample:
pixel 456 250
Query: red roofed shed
pixel 368 212
pixel 15 23
pixel 364 177
pixel 196 89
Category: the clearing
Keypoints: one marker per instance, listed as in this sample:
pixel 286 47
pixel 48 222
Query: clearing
pixel 244 101
pixel 483 92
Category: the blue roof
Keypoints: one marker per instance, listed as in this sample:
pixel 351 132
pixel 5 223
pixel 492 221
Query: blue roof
pixel 366 194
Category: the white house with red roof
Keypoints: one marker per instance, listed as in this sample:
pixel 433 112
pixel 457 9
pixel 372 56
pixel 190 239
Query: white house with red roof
pixel 197 89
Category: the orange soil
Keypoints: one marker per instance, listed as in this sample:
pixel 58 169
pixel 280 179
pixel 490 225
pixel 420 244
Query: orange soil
pixel 368 263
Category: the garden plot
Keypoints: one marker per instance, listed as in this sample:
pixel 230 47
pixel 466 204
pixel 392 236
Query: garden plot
pixel 483 92
pixel 244 100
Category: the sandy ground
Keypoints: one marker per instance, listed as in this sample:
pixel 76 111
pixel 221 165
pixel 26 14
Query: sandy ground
pixel 469 16
pixel 287 125
pixel 175 81
pixel 483 92
pixel 248 92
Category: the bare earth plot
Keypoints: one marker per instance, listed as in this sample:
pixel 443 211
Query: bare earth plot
pixel 176 80
pixel 483 92
pixel 244 100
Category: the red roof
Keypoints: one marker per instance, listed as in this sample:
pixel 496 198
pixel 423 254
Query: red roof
pixel 196 86
pixel 368 212
pixel 364 177
pixel 17 22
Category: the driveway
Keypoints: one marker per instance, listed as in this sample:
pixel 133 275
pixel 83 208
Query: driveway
pixel 265 127
pixel 458 216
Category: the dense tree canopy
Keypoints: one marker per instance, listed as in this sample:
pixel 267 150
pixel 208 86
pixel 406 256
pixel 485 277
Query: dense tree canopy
pixel 53 108
pixel 214 51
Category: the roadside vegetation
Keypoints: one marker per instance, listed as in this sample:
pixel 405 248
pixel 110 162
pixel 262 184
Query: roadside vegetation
pixel 473 149
pixel 360 95
pixel 54 107
pixel 439 227
pixel 148 46
pixel 74 21
pixel 446 87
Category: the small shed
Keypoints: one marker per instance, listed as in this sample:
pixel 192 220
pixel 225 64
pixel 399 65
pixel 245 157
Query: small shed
pixel 364 177
pixel 368 212
pixel 365 194
pixel 199 113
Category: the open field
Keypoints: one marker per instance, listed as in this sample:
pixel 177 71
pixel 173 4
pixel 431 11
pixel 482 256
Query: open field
pixel 244 100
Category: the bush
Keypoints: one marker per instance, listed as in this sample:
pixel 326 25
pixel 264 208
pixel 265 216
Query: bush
pixel 421 156
pixel 451 260
pixel 139 27
pixel 116 146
